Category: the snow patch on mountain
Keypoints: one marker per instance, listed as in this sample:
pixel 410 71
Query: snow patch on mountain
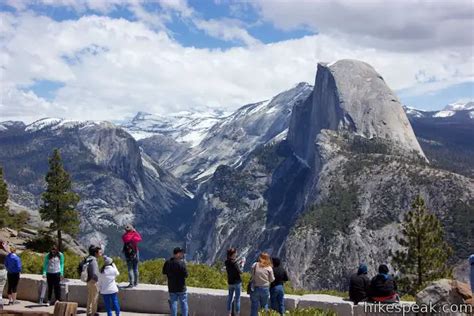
pixel 461 105
pixel 184 127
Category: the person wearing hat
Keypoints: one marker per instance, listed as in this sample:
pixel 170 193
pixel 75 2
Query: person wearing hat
pixel 92 280
pixel 383 287
pixel 108 287
pixel 130 239
pixel 13 266
pixel 175 270
pixel 359 285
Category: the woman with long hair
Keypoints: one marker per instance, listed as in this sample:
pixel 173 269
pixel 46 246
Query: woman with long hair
pixel 53 271
pixel 234 280
pixel 261 278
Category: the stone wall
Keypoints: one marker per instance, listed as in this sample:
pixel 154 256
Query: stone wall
pixel 147 298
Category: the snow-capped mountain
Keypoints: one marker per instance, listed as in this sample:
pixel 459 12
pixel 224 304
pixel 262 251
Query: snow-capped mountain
pixel 462 108
pixel 230 140
pixel 184 127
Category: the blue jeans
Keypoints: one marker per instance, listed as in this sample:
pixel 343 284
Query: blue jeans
pixel 111 302
pixel 277 297
pixel 234 289
pixel 132 265
pixel 183 301
pixel 259 298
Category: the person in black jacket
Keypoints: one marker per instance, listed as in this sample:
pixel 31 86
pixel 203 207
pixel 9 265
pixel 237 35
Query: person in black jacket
pixel 175 270
pixel 277 291
pixel 234 280
pixel 359 285
pixel 383 287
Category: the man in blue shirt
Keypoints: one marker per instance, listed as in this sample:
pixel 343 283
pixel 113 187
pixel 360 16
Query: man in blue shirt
pixel 13 266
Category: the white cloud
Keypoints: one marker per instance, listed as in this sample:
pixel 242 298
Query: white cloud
pixel 395 25
pixel 113 67
pixel 227 30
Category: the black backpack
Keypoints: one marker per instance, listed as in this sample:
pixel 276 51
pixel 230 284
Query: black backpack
pixel 129 251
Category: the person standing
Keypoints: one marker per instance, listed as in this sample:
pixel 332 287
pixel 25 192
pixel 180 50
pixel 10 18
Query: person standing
pixel 262 277
pixel 92 280
pixel 108 286
pixel 3 271
pixel 359 285
pixel 175 269
pixel 53 271
pixel 13 266
pixel 234 280
pixel 471 263
pixel 277 291
pixel 130 239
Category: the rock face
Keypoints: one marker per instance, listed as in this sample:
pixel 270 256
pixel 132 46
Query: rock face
pixel 333 193
pixel 230 140
pixel 351 96
pixel 116 181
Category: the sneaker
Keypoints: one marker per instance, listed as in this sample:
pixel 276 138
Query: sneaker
pixel 16 302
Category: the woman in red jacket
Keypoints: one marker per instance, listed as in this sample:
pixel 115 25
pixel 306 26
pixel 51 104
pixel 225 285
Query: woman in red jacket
pixel 130 239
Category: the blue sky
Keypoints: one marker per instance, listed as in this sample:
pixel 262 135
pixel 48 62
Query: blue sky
pixel 105 59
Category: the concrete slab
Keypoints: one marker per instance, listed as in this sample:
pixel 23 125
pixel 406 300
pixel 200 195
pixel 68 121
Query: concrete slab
pixel 323 301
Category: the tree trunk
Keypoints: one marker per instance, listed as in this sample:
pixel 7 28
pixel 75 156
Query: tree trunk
pixel 60 241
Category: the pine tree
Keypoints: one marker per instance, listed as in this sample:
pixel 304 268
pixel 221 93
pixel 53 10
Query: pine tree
pixel 4 215
pixel 59 202
pixel 425 255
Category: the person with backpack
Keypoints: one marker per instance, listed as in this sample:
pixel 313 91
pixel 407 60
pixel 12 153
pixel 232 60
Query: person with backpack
pixel 261 278
pixel 175 269
pixel 108 286
pixel 359 284
pixel 277 291
pixel 13 266
pixel 92 279
pixel 130 239
pixel 383 287
pixel 53 271
pixel 234 280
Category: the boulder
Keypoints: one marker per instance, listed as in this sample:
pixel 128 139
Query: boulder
pixel 445 292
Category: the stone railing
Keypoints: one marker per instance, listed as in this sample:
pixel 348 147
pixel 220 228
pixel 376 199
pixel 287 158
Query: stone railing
pixel 147 298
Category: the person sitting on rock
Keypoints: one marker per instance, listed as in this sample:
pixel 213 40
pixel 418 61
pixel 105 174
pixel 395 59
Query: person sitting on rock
pixel 383 287
pixel 471 262
pixel 359 285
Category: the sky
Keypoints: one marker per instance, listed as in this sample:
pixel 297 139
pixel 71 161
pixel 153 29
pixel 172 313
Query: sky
pixel 108 59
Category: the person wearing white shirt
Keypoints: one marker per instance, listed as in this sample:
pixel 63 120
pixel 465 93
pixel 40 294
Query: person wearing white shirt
pixel 108 287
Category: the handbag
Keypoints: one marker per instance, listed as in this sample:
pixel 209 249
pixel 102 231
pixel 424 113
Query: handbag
pixel 250 287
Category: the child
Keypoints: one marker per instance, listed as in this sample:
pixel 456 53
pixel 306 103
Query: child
pixel 108 287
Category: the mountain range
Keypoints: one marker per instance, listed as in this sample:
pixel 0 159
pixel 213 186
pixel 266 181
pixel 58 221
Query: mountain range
pixel 319 175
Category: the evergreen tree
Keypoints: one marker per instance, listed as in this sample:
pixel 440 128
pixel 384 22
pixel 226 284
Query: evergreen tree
pixel 59 202
pixel 4 215
pixel 425 255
